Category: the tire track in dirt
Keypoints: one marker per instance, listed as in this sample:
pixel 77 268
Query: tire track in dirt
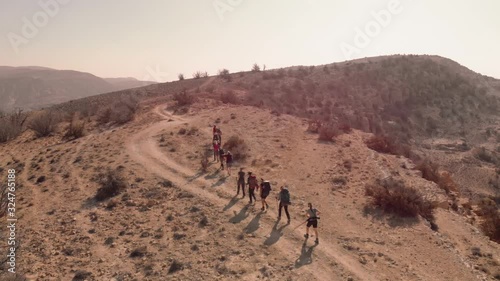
pixel 143 149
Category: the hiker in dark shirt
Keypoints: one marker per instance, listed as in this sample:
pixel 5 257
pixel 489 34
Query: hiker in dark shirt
pixel 252 185
pixel 241 182
pixel 265 189
pixel 284 201
pixel 229 161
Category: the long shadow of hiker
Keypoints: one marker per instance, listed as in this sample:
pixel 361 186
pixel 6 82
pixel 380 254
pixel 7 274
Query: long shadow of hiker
pixel 253 225
pixel 220 182
pixel 239 217
pixel 231 203
pixel 193 178
pixel 275 234
pixel 213 175
pixel 305 255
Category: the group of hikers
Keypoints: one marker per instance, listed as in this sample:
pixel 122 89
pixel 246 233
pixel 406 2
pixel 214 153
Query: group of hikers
pixel 219 153
pixel 283 197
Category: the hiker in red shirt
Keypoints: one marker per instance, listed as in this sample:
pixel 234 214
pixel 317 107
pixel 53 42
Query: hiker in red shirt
pixel 216 151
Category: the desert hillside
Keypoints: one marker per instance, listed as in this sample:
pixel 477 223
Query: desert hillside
pixel 37 87
pixel 131 197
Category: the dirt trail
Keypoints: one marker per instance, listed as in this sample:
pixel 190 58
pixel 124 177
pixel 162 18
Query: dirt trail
pixel 330 260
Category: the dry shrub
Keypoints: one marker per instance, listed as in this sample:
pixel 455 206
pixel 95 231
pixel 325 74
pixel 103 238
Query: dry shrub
pixel 394 197
pixel 430 170
pixel 175 266
pixel 104 115
pixel 197 75
pixel 180 76
pixel 328 133
pixel 44 123
pixel 210 89
pixel 120 112
pixel 490 224
pixel 184 98
pixel 237 147
pixel 112 183
pixel 224 75
pixel 346 128
pixel 385 144
pixel 229 97
pixel 314 126
pixel 75 129
pixel 11 125
pixel 447 183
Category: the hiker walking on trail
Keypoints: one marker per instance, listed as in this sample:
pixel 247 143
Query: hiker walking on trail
pixel 216 150
pixel 284 201
pixel 241 182
pixel 218 132
pixel 252 185
pixel 265 189
pixel 221 158
pixel 312 220
pixel 229 161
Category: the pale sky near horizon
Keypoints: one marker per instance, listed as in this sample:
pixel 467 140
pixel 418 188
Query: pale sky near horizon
pixel 157 39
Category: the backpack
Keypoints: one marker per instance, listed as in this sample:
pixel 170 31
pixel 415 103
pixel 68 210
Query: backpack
pixel 229 157
pixel 267 185
pixel 285 196
pixel 266 188
pixel 252 182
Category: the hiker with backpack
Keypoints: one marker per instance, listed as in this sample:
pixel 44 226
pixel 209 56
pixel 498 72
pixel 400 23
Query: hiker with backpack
pixel 229 161
pixel 284 201
pixel 216 150
pixel 218 132
pixel 265 189
pixel 252 185
pixel 241 182
pixel 312 220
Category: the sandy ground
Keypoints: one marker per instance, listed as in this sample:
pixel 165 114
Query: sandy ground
pixel 173 216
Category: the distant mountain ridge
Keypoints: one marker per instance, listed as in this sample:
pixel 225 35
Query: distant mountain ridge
pixel 31 87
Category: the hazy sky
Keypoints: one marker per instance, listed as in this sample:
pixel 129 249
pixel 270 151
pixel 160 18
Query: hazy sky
pixel 157 39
